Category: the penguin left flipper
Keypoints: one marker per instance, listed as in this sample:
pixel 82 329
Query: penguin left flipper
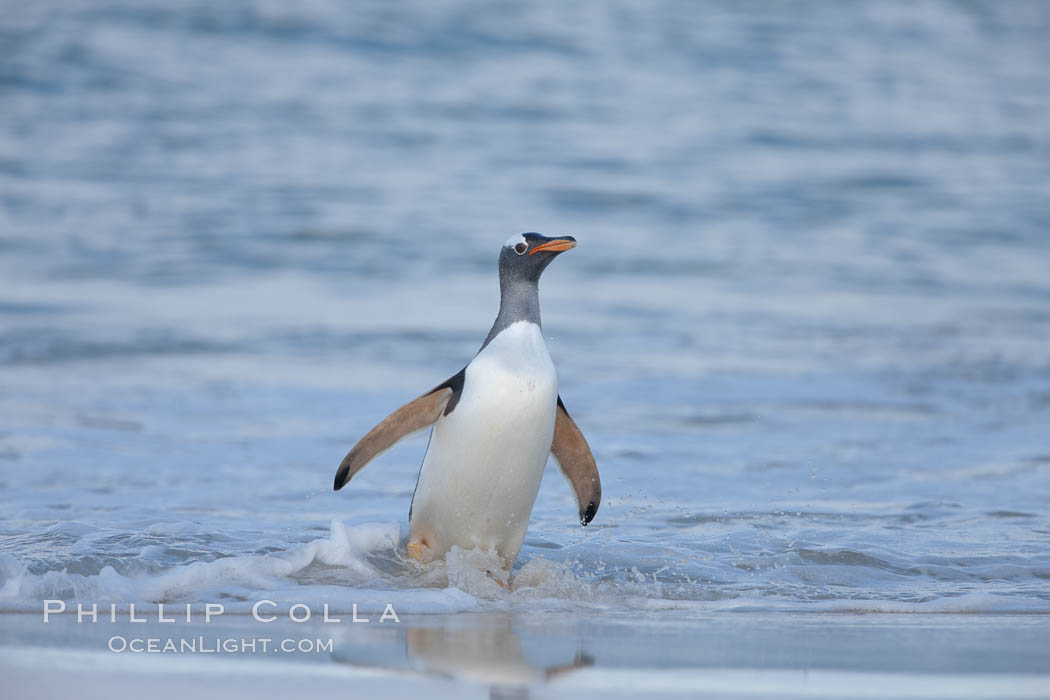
pixel 573 455
pixel 416 415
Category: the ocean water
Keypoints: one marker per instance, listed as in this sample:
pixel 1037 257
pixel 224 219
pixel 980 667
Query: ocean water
pixel 806 330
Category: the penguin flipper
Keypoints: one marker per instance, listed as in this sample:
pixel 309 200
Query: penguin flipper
pixel 416 415
pixel 573 455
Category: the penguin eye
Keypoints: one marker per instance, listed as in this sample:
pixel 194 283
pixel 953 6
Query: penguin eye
pixel 521 248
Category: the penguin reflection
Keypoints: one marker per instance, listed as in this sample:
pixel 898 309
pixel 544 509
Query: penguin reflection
pixel 483 649
pixel 482 654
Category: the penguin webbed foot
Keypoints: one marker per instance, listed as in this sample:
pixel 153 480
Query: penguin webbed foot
pixel 418 550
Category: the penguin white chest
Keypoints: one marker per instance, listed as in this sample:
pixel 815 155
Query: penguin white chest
pixel 486 458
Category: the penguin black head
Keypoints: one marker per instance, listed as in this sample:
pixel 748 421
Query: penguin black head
pixel 525 255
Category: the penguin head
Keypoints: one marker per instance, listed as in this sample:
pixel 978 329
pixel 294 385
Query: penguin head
pixel 526 255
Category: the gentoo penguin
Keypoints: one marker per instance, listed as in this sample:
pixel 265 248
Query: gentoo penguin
pixel 495 421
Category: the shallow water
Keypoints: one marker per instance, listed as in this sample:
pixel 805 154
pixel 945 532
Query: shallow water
pixel 805 332
pixel 508 655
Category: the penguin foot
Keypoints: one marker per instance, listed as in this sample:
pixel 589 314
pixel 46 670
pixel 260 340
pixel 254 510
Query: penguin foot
pixel 418 550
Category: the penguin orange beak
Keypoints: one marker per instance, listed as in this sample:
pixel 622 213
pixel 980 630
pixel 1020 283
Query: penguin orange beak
pixel 555 246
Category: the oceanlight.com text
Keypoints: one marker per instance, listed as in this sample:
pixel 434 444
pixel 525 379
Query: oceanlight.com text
pixel 218 645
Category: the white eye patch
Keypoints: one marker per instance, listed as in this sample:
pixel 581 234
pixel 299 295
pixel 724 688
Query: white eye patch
pixel 517 243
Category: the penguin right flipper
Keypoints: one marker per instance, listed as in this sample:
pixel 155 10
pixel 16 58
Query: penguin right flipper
pixel 411 418
pixel 574 457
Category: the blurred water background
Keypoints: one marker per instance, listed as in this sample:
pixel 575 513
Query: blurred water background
pixel 805 331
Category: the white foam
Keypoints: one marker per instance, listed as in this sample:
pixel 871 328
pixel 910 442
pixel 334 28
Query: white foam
pixel 245 579
pixel 339 570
